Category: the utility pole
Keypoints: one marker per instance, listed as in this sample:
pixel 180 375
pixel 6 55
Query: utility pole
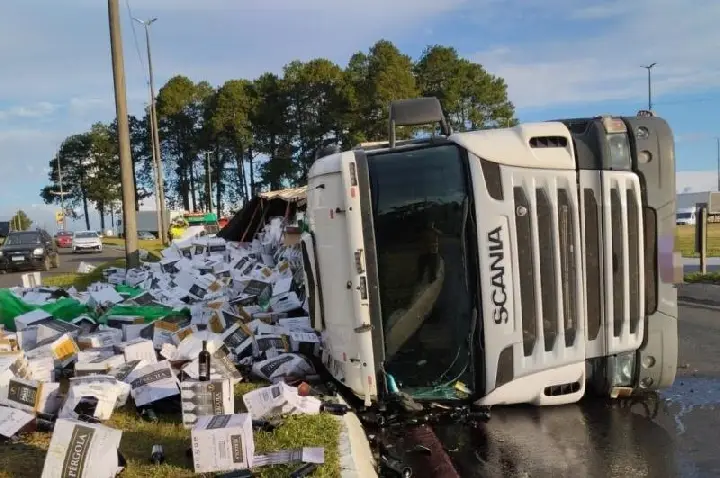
pixel 649 68
pixel 157 158
pixel 62 193
pixel 126 163
pixel 209 182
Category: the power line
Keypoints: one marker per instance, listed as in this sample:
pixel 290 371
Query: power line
pixel 135 40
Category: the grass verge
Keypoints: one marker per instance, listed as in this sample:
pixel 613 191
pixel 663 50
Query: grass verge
pixel 154 246
pixel 685 240
pixel 26 458
pixel 80 281
pixel 700 278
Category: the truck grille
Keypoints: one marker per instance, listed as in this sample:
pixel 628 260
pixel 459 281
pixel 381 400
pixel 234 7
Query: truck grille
pixel 547 248
pixel 614 261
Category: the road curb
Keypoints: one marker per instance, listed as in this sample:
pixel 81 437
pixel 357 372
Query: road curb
pixel 706 294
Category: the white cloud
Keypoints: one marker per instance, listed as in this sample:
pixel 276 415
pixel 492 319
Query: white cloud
pixel 601 60
pixel 34 111
pixel 85 105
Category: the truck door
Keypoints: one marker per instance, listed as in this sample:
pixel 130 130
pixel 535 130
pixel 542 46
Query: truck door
pixel 525 189
pixel 613 237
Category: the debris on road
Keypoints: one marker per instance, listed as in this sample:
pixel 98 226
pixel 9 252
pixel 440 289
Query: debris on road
pixel 69 358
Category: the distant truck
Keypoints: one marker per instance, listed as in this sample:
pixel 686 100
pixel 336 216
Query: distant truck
pixel 147 221
pixel 686 216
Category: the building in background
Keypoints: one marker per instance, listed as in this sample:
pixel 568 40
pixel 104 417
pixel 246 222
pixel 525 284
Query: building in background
pixel 686 203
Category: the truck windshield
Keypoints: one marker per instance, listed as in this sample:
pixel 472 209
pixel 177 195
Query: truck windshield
pixel 419 199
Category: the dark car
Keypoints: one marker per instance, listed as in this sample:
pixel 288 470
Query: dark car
pixel 29 250
pixel 63 239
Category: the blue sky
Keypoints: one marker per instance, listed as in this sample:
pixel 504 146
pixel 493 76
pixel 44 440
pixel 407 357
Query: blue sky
pixel 560 58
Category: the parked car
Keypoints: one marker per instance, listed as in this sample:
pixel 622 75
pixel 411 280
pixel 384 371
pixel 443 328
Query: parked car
pixel 29 250
pixel 63 239
pixel 146 236
pixel 84 241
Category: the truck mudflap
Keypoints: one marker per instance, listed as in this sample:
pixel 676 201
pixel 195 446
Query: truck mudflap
pixel 533 292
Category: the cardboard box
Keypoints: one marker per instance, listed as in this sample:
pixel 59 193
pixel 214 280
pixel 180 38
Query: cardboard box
pixel 138 349
pixel 103 338
pixel 153 382
pixel 63 350
pixel 13 420
pixel 223 443
pixel 31 396
pixel 164 329
pixel 82 450
pixel 199 399
pixel 24 321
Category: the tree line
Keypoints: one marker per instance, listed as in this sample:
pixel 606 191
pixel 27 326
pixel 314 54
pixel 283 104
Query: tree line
pixel 248 135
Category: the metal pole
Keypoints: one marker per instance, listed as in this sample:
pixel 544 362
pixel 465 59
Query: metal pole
pixel 156 136
pixel 649 68
pixel 209 182
pixel 62 193
pixel 158 204
pixel 126 163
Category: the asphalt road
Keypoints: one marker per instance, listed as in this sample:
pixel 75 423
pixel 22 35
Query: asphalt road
pixel 691 264
pixel 674 433
pixel 68 263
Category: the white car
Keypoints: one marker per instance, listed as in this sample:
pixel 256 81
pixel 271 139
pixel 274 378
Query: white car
pixel 86 241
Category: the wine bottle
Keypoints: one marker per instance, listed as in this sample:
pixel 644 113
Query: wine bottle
pixel 204 363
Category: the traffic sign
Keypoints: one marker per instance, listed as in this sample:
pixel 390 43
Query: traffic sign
pixel 59 216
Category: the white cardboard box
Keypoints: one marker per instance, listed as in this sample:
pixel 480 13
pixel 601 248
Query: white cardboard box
pixel 200 399
pixel 223 443
pixel 82 450
pixel 13 420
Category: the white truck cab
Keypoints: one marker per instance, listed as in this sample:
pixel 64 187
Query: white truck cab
pixel 508 266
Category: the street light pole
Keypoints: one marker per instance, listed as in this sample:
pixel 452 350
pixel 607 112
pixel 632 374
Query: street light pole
pixel 649 68
pixel 126 163
pixel 209 181
pixel 62 193
pixel 157 158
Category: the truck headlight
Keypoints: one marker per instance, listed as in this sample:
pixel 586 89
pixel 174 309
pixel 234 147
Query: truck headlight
pixel 623 369
pixel 39 251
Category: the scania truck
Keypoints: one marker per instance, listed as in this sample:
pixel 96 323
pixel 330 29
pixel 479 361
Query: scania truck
pixel 518 265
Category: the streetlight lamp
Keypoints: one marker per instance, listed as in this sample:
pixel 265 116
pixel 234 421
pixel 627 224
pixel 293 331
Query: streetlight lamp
pixel 649 68
pixel 157 159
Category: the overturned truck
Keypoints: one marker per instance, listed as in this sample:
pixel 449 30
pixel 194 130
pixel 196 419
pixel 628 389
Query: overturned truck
pixel 518 265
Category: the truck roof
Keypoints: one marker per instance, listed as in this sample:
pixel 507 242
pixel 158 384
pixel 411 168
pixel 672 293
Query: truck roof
pixel 543 140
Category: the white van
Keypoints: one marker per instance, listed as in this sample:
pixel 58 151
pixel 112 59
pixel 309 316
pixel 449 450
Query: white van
pixel 686 216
